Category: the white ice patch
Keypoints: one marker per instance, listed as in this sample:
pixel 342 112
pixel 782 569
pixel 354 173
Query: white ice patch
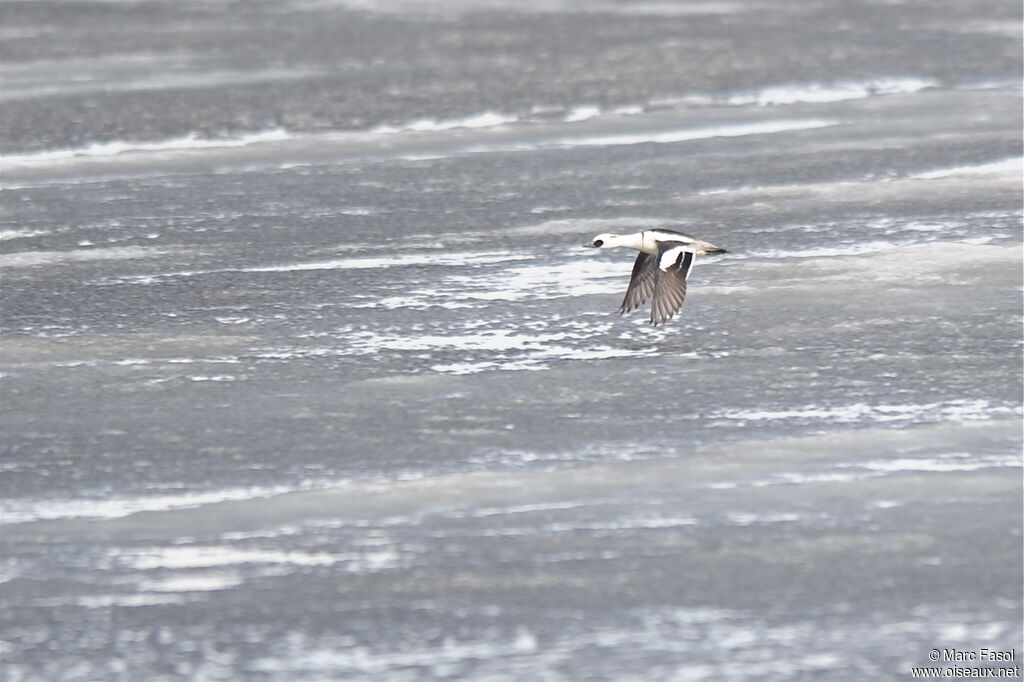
pixel 466 258
pixel 363 662
pixel 185 143
pixel 953 410
pixel 956 462
pixel 488 119
pixel 214 556
pixel 31 258
pixel 578 277
pixel 794 479
pixel 192 583
pixel 21 234
pixel 517 509
pixel 582 114
pixel 464 367
pixel 497 349
pixel 682 135
pixel 21 511
pixel 1012 166
pixel 482 133
pixel 621 524
pixel 650 631
pixel 835 92
pixel 133 362
pixel 748 519
pixel 570 278
pixel 894 234
pixel 537 359
pixel 107 601
pixel 857 471
pixel 593 225
pixel 491 340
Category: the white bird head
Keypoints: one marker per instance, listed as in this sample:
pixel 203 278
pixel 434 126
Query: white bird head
pixel 604 241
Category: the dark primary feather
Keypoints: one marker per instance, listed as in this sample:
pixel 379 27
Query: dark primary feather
pixel 670 289
pixel 641 282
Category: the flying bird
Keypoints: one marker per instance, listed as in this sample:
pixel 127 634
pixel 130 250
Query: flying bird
pixel 661 268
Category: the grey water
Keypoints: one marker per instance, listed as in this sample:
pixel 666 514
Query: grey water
pixel 305 374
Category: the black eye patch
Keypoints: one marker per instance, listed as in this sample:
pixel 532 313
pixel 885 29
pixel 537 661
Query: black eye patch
pixel 598 242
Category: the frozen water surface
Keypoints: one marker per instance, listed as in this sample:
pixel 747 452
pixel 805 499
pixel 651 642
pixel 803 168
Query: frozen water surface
pixel 306 375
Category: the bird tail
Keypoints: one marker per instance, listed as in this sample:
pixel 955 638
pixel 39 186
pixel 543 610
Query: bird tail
pixel 707 247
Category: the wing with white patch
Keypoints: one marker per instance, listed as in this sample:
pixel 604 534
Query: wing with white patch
pixel 674 263
pixel 641 282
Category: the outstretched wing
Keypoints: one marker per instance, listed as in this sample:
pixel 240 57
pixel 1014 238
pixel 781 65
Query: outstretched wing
pixel 641 282
pixel 674 263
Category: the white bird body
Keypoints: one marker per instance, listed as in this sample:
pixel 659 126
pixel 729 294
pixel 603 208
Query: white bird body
pixel 665 260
